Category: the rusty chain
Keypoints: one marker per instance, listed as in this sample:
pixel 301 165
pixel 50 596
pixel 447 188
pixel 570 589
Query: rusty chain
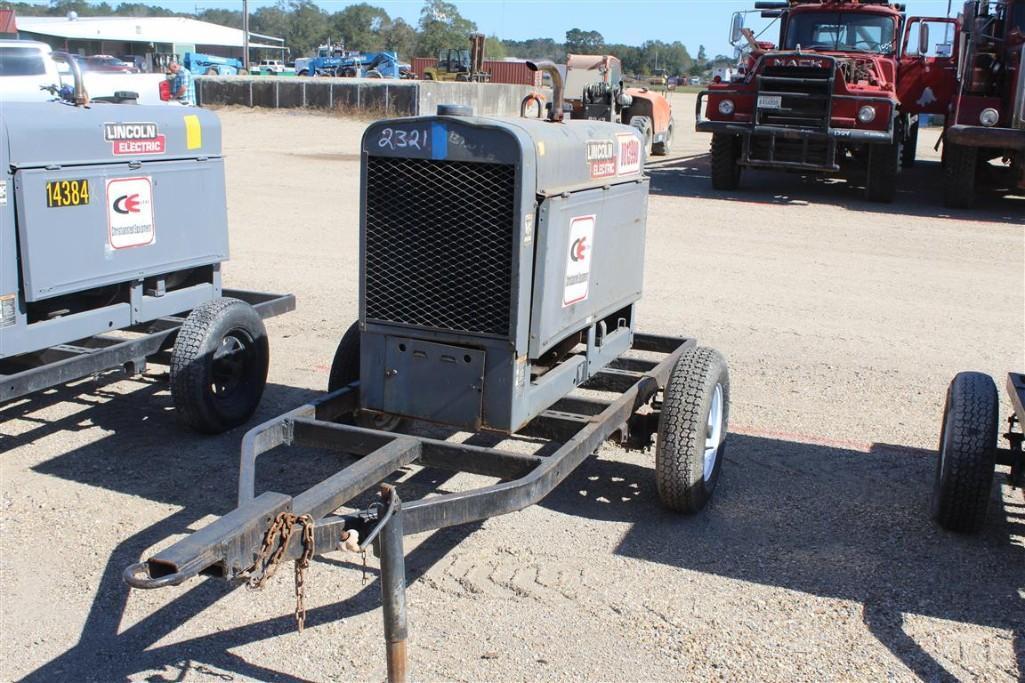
pixel 275 542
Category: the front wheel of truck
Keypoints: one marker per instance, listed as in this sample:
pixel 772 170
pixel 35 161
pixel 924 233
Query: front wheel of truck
pixel 883 167
pixel 725 161
pixel 960 171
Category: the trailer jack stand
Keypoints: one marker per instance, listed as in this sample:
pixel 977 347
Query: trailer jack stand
pixel 393 587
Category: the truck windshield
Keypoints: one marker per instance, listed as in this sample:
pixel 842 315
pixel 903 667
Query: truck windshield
pixel 19 61
pixel 842 32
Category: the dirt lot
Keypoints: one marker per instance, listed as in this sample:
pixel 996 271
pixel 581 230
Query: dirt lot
pixel 842 321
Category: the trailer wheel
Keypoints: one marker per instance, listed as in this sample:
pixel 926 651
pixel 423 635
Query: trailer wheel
pixel 219 366
pixel 692 430
pixel 960 175
pixel 345 371
pixel 883 167
pixel 909 152
pixel 643 124
pixel 967 454
pixel 725 161
pixel 661 149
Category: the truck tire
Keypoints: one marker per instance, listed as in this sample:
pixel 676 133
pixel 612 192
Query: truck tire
pixel 960 175
pixel 304 72
pixel 909 151
pixel 643 124
pixel 692 430
pixel 967 454
pixel 725 161
pixel 883 168
pixel 664 148
pixel 345 371
pixel 219 366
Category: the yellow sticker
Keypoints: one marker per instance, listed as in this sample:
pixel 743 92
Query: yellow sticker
pixel 193 132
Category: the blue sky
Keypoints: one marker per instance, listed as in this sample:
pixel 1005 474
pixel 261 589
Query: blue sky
pixel 694 22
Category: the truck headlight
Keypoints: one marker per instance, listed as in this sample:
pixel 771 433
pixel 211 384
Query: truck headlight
pixel 867 114
pixel 726 107
pixel 989 117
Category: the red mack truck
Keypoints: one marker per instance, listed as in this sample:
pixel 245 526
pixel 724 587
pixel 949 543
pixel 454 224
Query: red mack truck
pixel 987 119
pixel 842 93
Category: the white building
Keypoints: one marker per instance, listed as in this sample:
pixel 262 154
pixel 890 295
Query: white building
pixel 152 41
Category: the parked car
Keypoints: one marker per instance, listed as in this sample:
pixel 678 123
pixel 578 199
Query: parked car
pixel 106 63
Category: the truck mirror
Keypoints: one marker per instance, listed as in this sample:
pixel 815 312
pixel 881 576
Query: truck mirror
pixel 923 39
pixel 736 30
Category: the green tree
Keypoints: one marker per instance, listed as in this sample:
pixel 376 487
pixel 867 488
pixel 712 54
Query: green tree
pixel 442 27
pixel 584 42
pixel 494 49
pixel 361 27
pixel 225 17
pixel 401 38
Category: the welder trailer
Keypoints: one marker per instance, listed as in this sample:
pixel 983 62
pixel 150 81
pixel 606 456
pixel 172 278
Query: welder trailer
pixel 501 267
pixel 113 228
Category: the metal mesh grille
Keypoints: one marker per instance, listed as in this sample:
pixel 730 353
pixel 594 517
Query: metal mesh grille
pixel 439 243
pixel 806 96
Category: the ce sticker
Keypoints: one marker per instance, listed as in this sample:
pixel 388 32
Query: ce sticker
pixel 127 203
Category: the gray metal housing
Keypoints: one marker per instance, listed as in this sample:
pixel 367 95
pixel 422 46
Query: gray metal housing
pixel 148 243
pixel 500 263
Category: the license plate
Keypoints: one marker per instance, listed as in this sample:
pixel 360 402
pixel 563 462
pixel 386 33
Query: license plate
pixel 61 193
pixel 770 102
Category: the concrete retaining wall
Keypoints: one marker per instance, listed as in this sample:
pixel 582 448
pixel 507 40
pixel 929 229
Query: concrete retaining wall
pixel 360 95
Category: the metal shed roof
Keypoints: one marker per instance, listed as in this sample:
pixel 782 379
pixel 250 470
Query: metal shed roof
pixel 143 30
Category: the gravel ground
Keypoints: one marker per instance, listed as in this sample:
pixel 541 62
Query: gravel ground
pixel 842 321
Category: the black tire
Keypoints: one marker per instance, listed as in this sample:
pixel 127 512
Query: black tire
pixel 726 161
pixel 967 456
pixel 683 430
pixel 304 72
pixel 345 371
pixel 883 168
pixel 664 148
pixel 960 175
pixel 909 152
pixel 219 366
pixel 643 124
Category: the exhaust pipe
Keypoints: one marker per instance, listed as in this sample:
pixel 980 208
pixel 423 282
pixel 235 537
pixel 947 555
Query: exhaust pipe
pixel 81 96
pixel 549 68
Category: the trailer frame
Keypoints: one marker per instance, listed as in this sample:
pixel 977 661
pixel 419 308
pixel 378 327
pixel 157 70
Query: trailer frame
pixel 31 372
pixel 234 546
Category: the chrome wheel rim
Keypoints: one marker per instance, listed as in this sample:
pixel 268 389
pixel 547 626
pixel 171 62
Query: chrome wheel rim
pixel 714 431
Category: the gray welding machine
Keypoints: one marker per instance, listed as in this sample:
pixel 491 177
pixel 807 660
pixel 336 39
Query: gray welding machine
pixel 501 261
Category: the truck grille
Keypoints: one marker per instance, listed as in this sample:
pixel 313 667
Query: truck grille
pixel 806 96
pixel 439 244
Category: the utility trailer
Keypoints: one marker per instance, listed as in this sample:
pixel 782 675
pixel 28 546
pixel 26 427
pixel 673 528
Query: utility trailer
pixel 501 266
pixel 969 449
pixel 113 228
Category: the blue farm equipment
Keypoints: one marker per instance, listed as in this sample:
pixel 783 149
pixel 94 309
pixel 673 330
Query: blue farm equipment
pixel 335 60
pixel 212 65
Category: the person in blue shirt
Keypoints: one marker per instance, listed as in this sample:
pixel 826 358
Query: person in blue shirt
pixel 183 88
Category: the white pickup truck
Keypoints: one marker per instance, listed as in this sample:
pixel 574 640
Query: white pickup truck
pixel 29 73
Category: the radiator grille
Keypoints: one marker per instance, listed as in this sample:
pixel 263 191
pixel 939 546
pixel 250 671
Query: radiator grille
pixel 806 96
pixel 439 244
